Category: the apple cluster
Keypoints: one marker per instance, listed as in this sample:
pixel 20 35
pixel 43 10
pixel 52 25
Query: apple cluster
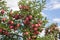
pixel 33 28
pixel 26 20
pixel 4 32
pixel 24 7
pixel 12 25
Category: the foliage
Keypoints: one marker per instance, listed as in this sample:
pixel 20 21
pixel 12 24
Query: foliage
pixel 28 21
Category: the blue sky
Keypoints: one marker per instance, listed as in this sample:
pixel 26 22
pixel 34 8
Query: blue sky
pixel 52 10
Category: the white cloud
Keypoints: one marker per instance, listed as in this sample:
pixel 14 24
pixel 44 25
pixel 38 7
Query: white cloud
pixel 13 4
pixel 53 4
pixel 59 27
pixel 56 6
pixel 56 20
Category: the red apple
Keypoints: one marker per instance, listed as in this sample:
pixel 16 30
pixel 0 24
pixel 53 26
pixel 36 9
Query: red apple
pixel 18 24
pixel 1 30
pixel 39 24
pixel 10 22
pixel 32 25
pixel 11 27
pixel 3 19
pixel 30 17
pixel 27 19
pixel 36 25
pixel 36 32
pixel 6 33
pixel 2 11
pixel 35 29
pixel 28 23
pixel 26 33
pixel 24 7
pixel 16 16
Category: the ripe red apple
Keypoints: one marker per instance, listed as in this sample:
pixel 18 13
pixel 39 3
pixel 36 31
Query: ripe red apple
pixel 3 19
pixel 10 22
pixel 11 27
pixel 18 25
pixel 27 19
pixel 1 30
pixel 16 16
pixel 26 33
pixel 32 25
pixel 26 22
pixel 24 7
pixel 36 25
pixel 6 33
pixel 36 32
pixel 30 17
pixel 2 11
pixel 35 29
pixel 39 24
